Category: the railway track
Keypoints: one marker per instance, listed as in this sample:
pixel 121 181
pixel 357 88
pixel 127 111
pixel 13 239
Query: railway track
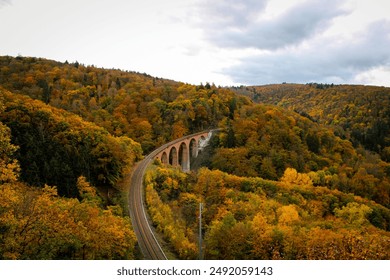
pixel 150 247
pixel 147 241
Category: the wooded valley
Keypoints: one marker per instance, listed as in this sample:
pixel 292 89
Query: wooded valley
pixel 296 171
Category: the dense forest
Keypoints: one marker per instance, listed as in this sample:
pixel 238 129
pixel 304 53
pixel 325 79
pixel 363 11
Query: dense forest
pixel 56 147
pixel 358 113
pixel 149 110
pixel 38 223
pixel 280 187
pixel 253 218
pixel 265 140
pixel 70 124
pixel 289 178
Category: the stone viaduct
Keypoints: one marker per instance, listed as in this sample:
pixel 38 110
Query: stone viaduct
pixel 182 150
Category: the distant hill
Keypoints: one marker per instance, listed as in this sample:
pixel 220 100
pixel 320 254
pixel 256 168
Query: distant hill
pixel 356 112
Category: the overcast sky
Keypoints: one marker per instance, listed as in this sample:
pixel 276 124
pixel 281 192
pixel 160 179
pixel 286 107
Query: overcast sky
pixel 226 42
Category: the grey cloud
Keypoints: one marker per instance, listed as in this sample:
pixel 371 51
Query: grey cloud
pixel 4 2
pixel 242 25
pixel 219 14
pixel 323 62
pixel 371 50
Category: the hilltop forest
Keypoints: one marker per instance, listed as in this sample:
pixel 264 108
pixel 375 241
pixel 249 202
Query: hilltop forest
pixel 359 113
pixel 296 172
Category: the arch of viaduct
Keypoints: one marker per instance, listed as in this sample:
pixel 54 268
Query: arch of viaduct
pixel 180 151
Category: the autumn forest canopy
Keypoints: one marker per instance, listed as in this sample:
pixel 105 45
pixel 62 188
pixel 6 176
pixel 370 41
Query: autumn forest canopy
pixel 296 171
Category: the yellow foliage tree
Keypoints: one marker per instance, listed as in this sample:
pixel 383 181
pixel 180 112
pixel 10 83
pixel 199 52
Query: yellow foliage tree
pixel 291 177
pixel 288 214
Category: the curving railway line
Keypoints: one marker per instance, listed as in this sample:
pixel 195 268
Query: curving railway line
pixel 150 247
pixel 147 241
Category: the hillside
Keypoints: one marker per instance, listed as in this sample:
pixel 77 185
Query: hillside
pixel 69 131
pixel 265 140
pixel 289 178
pixel 359 113
pixel 149 110
pixel 35 221
pixel 57 147
pixel 253 218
